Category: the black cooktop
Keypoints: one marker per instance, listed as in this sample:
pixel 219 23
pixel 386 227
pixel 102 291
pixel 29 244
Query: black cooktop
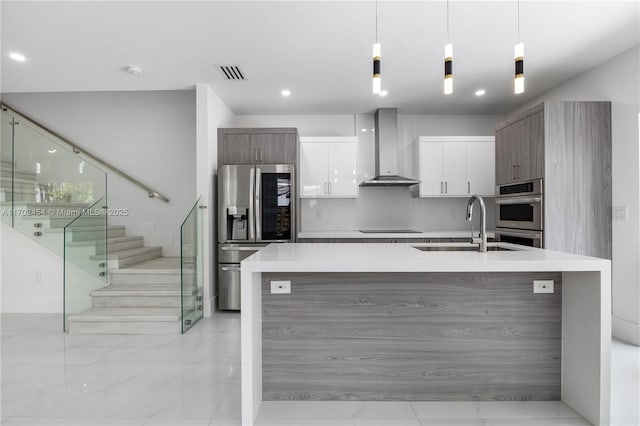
pixel 389 231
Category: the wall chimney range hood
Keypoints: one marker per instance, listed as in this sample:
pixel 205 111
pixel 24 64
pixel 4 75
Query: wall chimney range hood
pixel 386 151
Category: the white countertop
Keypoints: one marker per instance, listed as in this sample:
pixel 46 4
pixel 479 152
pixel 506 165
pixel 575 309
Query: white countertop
pixel 400 257
pixel 358 234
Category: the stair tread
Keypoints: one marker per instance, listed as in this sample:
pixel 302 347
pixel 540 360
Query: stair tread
pixel 113 240
pixel 123 314
pixel 160 265
pixel 86 228
pixel 141 290
pixel 129 252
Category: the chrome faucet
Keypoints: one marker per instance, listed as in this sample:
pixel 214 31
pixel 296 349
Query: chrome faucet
pixel 483 220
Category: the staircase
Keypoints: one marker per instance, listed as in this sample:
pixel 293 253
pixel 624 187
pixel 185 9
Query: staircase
pixel 55 193
pixel 143 295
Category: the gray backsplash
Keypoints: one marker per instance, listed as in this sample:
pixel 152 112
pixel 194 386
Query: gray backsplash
pixel 390 208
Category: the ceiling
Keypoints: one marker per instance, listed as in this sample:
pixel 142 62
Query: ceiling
pixel 320 51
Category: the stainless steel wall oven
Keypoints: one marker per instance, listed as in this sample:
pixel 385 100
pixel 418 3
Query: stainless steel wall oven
pixel 520 213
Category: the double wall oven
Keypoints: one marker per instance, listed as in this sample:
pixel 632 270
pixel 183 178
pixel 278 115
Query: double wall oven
pixel 520 213
pixel 256 205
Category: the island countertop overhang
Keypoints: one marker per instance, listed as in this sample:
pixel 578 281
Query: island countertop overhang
pixel 398 257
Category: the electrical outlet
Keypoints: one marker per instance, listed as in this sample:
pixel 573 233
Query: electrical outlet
pixel 620 213
pixel 543 286
pixel 280 287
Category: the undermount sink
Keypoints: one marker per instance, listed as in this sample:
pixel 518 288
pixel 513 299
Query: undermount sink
pixel 461 248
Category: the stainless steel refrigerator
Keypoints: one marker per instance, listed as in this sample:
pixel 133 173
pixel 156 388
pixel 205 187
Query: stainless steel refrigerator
pixel 256 206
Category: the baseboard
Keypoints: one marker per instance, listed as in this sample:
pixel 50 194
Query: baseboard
pixel 626 331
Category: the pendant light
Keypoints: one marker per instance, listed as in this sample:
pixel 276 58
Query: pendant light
pixel 376 60
pixel 518 82
pixel 448 61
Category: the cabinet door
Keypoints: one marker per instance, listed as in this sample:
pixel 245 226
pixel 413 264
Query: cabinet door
pixel 314 160
pixel 274 148
pixel 343 174
pixel 480 168
pixel 236 149
pixel 504 158
pixel 455 182
pixel 431 169
pixel 533 154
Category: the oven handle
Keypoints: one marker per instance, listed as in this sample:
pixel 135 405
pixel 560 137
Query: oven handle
pixel 528 200
pixel 232 248
pixel 230 268
pixel 533 236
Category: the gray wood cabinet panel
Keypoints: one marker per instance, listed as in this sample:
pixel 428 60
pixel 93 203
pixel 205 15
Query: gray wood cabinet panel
pixel 249 146
pixel 534 128
pixel 411 336
pixel 235 149
pixel 578 178
pixel 520 150
pixel 504 156
pixel 275 148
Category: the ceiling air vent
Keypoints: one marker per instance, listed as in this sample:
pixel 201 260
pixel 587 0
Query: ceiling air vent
pixel 231 72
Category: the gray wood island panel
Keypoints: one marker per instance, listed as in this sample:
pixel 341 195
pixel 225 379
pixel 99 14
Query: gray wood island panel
pixel 411 336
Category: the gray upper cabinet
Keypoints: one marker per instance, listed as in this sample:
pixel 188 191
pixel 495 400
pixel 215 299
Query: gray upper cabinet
pixel 520 149
pixel 235 149
pixel 250 146
pixel 274 148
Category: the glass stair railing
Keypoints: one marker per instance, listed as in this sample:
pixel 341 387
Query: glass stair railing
pixel 54 196
pixel 191 267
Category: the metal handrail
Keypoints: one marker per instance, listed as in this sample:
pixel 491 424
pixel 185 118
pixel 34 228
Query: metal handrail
pixel 78 150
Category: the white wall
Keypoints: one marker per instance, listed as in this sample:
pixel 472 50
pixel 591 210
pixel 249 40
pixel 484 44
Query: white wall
pixel 382 207
pixel 618 81
pixel 211 114
pixel 31 275
pixel 149 135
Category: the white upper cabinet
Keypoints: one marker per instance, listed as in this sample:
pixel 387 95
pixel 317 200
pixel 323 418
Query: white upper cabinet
pixel 456 166
pixel 328 167
pixel 481 166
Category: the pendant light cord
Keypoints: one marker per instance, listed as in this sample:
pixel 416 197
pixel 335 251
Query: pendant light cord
pixel 518 21
pixel 448 38
pixel 376 21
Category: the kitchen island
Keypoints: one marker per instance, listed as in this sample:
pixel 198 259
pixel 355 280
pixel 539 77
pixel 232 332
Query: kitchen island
pixel 393 322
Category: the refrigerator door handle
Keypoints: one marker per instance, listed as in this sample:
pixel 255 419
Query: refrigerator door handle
pixel 257 211
pixel 252 181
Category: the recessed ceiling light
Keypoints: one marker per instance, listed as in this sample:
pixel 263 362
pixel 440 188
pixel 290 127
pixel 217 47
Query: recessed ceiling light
pixel 285 93
pixel 19 57
pixel 134 70
pixel 383 93
pixel 363 130
pixel 480 92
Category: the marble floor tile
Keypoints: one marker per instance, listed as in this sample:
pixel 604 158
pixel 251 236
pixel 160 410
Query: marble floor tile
pixel 453 422
pixel 625 380
pixel 524 409
pixel 561 421
pixel 67 421
pixel 381 410
pixel 444 410
pixel 228 413
pixel 388 422
pixel 305 422
pixel 309 409
pixel 22 384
